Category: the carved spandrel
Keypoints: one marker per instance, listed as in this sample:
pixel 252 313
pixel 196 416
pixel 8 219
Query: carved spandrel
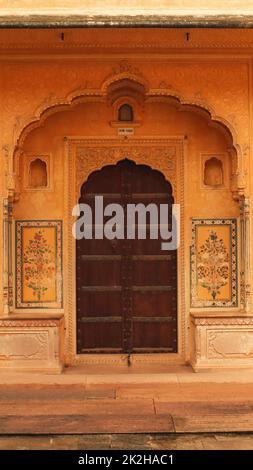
pixel 90 159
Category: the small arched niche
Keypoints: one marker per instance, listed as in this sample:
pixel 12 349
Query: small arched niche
pixel 125 113
pixel 213 172
pixel 38 177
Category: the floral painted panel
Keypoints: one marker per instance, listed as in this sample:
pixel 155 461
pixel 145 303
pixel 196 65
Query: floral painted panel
pixel 39 264
pixel 214 263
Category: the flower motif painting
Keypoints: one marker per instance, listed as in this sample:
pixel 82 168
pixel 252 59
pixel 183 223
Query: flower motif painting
pixel 213 264
pixel 214 277
pixel 39 264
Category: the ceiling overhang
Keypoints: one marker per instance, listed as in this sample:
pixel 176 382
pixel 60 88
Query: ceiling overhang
pixel 159 18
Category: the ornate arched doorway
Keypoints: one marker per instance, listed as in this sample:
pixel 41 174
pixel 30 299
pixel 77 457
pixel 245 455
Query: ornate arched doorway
pixel 126 288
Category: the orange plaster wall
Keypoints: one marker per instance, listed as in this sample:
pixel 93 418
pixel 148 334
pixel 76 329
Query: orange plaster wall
pixel 28 86
pixel 32 81
pixel 157 119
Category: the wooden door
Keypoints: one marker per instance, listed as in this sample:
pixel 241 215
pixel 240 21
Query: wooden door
pixel 126 289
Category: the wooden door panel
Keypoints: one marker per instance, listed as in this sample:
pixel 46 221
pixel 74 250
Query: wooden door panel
pixel 92 275
pixel 154 303
pixel 126 289
pixel 109 198
pixel 99 303
pixel 156 335
pixel 152 198
pixel 106 181
pixel 100 336
pixel 144 179
pixel 153 272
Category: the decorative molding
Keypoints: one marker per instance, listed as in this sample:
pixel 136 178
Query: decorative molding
pixel 219 39
pixel 51 104
pixel 124 70
pixel 90 158
pixel 223 321
pixel 28 323
pixel 245 228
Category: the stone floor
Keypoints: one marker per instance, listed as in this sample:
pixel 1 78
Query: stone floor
pixel 126 408
pixel 230 441
pixel 147 407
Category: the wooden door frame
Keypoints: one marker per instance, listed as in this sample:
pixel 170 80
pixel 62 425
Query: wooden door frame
pixel 83 155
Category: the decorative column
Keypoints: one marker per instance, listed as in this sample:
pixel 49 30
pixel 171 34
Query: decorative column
pixel 245 253
pixel 7 256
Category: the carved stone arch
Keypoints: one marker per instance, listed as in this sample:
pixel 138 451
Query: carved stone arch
pixel 126 71
pixel 141 151
pixel 51 106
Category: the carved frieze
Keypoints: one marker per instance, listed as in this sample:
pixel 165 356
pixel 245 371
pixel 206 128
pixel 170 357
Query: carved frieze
pixel 31 344
pixel 89 159
pixel 27 345
pixel 222 344
pixel 221 341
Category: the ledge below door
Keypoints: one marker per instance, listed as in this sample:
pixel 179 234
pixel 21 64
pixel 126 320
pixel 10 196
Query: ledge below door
pixel 32 343
pixel 221 340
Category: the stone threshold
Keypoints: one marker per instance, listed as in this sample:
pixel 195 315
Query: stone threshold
pixel 135 375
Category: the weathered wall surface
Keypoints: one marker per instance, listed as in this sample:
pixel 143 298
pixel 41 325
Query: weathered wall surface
pixel 132 4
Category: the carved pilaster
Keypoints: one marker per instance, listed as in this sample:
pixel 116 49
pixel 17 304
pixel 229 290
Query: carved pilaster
pixel 239 174
pixel 245 253
pixel 14 179
pixel 11 171
pixel 242 256
pixel 233 178
pixel 7 256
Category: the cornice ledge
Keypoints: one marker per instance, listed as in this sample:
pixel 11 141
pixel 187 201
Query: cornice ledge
pixel 220 318
pixel 126 18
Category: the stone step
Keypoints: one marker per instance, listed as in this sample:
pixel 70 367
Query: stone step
pixel 81 424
